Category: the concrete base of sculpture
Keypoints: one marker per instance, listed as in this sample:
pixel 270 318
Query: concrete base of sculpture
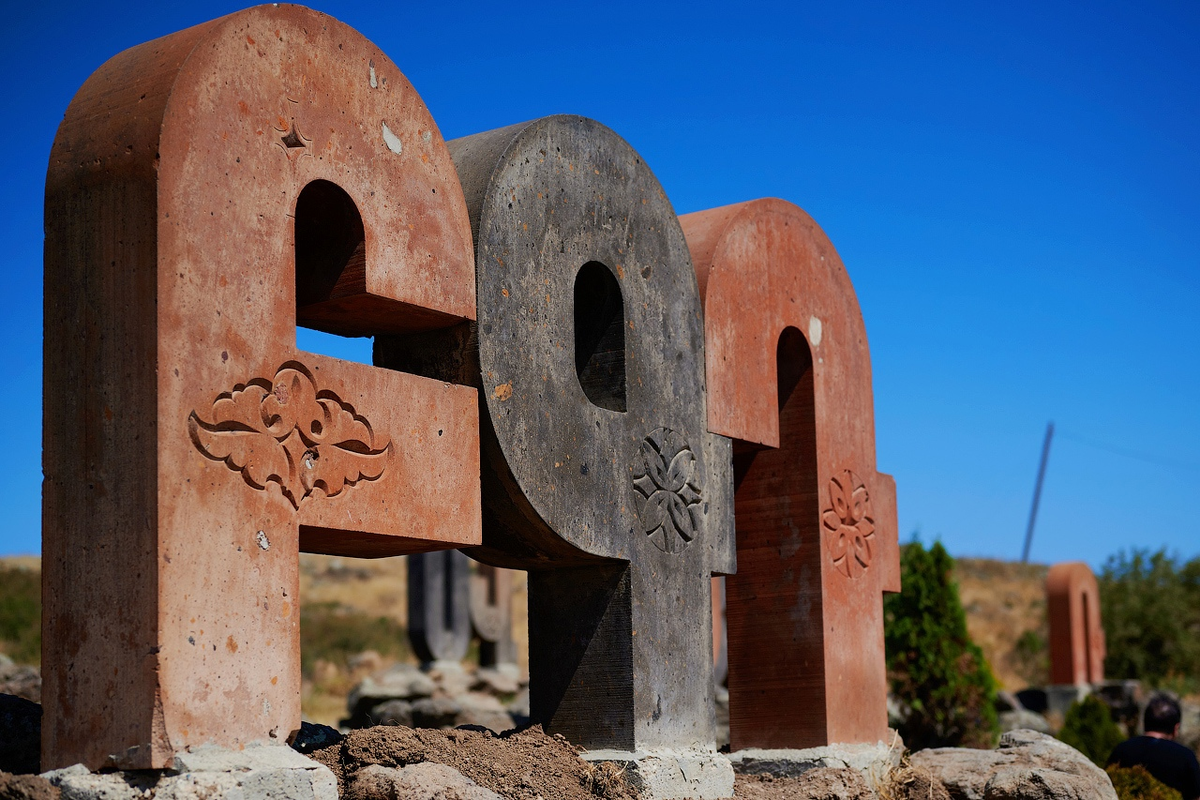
pixel 874 761
pixel 670 774
pixel 260 772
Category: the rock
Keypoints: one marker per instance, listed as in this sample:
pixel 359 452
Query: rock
pixel 485 711
pixel 26 787
pixel 423 781
pixel 1189 728
pixel 1023 720
pixel 21 681
pixel 450 677
pixel 435 712
pixel 915 783
pixel 312 736
pixel 401 682
pixel 258 772
pixel 393 712
pixel 497 680
pixel 699 773
pixel 20 735
pixel 1027 766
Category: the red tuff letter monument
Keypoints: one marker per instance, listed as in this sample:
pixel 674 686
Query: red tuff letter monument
pixel 789 380
pixel 1076 638
pixel 207 192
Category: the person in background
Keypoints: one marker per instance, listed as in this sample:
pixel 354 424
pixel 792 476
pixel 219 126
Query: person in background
pixel 1157 751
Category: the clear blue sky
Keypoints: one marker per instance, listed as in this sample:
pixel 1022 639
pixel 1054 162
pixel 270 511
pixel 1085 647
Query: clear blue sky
pixel 1014 188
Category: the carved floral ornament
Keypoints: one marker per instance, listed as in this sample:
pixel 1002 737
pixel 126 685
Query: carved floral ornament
pixel 667 490
pixel 849 524
pixel 284 431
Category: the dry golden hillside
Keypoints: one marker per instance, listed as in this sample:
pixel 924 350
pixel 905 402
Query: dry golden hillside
pixel 1005 603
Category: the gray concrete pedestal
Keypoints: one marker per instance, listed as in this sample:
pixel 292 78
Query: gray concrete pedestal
pixel 673 774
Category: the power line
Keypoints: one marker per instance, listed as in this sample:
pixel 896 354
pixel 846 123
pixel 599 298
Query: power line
pixel 1128 453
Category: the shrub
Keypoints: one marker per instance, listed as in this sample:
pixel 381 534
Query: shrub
pixel 333 632
pixel 1135 783
pixel 934 667
pixel 1089 728
pixel 1150 609
pixel 21 614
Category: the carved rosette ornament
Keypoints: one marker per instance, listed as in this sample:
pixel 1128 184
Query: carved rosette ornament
pixel 284 431
pixel 849 524
pixel 667 490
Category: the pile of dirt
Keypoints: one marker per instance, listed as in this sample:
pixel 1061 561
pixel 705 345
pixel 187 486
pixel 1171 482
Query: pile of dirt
pixel 824 783
pixel 519 765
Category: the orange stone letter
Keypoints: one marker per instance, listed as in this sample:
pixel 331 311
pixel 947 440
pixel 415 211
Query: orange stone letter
pixel 1076 638
pixel 789 380
pixel 206 191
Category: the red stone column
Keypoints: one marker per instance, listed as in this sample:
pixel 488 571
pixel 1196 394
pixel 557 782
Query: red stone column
pixel 1076 636
pixel 205 191
pixel 789 380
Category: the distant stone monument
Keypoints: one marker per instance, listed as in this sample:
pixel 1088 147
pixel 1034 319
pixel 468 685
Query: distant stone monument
pixel 789 380
pixel 207 192
pixel 452 598
pixel 491 616
pixel 1076 637
pixel 439 596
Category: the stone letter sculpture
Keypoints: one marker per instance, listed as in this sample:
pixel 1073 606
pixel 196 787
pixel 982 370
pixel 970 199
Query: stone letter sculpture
pixel 790 382
pixel 205 191
pixel 491 616
pixel 599 474
pixel 1076 637
pixel 439 621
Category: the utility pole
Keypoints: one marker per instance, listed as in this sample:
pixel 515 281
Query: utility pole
pixel 1037 492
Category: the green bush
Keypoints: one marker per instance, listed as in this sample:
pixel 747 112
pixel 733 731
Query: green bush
pixel 21 614
pixel 1135 783
pixel 934 667
pixel 1150 609
pixel 1089 728
pixel 333 632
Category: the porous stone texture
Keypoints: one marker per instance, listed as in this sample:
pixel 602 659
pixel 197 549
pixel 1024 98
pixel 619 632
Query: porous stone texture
pixel 1027 766
pixel 259 772
pixel 20 735
pixel 873 761
pixel 422 781
pixel 701 774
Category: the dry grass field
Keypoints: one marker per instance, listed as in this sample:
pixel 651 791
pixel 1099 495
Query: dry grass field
pixel 353 604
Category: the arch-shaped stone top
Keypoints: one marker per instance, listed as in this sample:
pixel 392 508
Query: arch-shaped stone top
pixel 1077 646
pixel 816 537
pixel 190 449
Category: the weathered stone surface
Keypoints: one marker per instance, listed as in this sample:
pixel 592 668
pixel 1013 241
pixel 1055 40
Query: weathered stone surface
pixel 873 761
pixel 504 679
pixel 439 615
pixel 1076 636
pixel 259 772
pixel 26 787
pixel 424 781
pixel 207 191
pixel 400 682
pixel 672 773
pixel 21 681
pixel 599 474
pixel 20 735
pixel 1027 766
pixel 790 382
pixel 435 712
